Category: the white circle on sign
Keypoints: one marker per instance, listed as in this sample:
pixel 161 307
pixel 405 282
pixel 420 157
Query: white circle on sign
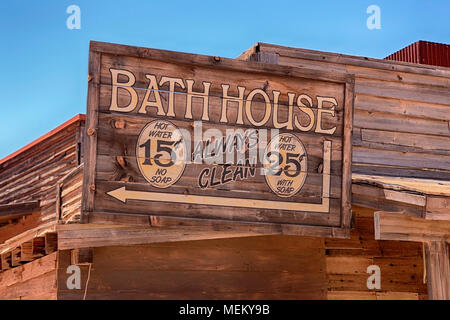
pixel 160 153
pixel 285 165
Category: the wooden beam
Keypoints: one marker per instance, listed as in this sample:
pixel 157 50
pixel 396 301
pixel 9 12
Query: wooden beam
pixel 395 226
pixel 26 251
pixel 6 260
pixel 82 255
pixel 438 270
pixel 389 194
pixel 91 235
pixel 378 198
pixel 213 225
pixel 14 211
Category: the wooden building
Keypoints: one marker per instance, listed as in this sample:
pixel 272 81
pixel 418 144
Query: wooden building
pixel 400 196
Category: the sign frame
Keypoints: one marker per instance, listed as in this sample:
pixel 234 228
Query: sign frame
pixel 338 228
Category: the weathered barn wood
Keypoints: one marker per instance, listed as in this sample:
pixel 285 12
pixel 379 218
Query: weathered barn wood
pixel 121 175
pixel 434 235
pixel 34 280
pixel 394 226
pixel 438 269
pixel 31 173
pixel 242 268
pixel 402 118
pixel 401 136
pixel 347 260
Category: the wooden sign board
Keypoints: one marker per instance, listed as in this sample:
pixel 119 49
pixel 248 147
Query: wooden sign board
pixel 207 140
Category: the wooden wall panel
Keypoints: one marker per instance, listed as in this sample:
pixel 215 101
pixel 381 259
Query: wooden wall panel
pixel 33 173
pixel 402 111
pixel 269 267
pixel 400 262
pixel 34 280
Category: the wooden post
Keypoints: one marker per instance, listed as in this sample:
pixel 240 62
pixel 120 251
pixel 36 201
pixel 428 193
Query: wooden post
pixel 438 270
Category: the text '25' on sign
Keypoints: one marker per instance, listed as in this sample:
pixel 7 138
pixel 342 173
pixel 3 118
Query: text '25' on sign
pixel 222 141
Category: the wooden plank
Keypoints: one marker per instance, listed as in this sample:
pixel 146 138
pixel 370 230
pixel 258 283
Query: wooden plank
pixel 394 226
pixel 212 225
pixel 16 257
pixel 388 200
pixel 392 295
pixel 90 143
pixel 387 194
pixel 398 171
pixel 82 255
pixel 402 107
pixel 223 63
pixel 43 287
pixel 73 236
pixel 383 121
pixel 437 208
pixel 58 201
pixel 27 235
pixel 28 271
pixel 329 57
pixel 142 271
pixel 347 151
pixel 14 211
pixel 351 295
pixel 26 249
pixel 362 155
pixel 438 270
pixel 51 242
pixel 38 245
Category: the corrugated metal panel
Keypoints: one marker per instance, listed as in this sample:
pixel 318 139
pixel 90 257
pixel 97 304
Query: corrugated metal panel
pixel 424 52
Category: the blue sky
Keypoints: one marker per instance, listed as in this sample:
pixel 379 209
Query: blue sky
pixel 44 64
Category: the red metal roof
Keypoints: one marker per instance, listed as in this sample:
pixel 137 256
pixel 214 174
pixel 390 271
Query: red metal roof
pixel 78 117
pixel 424 52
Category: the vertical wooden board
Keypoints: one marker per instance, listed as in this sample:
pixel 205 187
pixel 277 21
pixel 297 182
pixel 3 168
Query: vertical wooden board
pixel 194 136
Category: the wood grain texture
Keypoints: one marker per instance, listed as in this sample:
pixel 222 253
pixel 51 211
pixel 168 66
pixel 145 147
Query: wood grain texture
pixel 245 268
pixel 34 280
pixel 400 262
pixel 394 226
pixel 401 121
pixel 438 269
pixel 158 84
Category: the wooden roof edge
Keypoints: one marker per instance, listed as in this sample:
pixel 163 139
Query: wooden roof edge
pixel 27 235
pixel 414 185
pixel 78 118
pixel 380 63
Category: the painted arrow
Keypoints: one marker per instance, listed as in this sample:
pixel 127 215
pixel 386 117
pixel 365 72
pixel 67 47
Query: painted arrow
pixel 122 194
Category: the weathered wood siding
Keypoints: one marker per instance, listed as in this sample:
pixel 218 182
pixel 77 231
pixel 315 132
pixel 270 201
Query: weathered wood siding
pixel 33 173
pixel 34 280
pixel 269 267
pixel 402 111
pixel 69 198
pixel 400 262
